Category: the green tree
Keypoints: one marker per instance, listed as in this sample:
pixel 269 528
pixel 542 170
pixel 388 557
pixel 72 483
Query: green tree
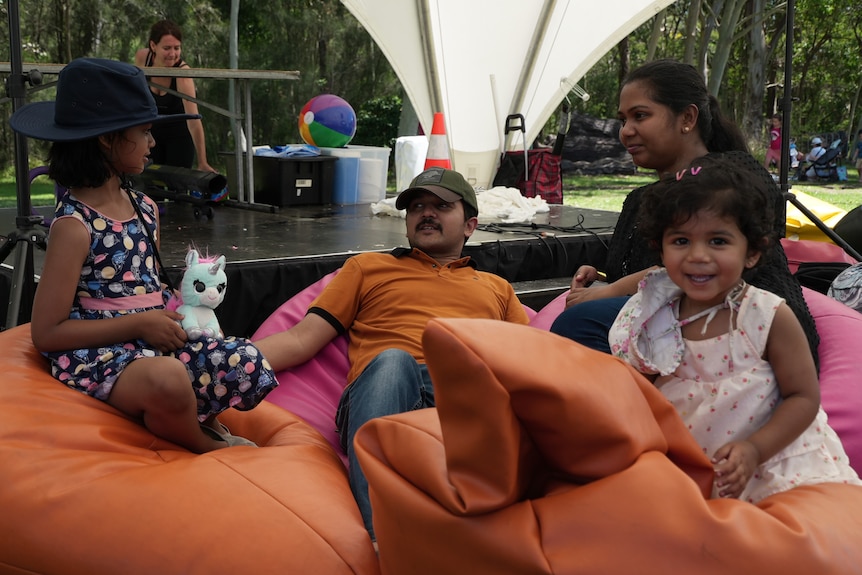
pixel 321 40
pixel 739 45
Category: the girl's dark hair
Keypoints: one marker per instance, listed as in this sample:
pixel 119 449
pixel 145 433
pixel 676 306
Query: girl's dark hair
pixel 80 164
pixel 164 28
pixel 717 183
pixel 677 86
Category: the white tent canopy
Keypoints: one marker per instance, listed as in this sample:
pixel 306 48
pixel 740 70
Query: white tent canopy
pixel 478 61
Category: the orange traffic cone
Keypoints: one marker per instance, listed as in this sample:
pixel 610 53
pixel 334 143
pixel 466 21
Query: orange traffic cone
pixel 438 145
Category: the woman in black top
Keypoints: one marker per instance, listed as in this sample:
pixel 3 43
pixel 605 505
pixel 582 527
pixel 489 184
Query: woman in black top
pixel 669 119
pixel 176 142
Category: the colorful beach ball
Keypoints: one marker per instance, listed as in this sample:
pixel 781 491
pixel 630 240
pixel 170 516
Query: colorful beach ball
pixel 327 121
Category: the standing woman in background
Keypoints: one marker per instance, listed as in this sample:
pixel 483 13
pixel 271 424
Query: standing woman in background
pixel 176 143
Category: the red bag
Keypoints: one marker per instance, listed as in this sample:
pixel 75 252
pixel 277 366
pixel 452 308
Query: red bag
pixel 543 177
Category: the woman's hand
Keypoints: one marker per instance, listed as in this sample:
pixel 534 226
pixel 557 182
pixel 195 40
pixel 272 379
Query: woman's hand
pixel 161 329
pixel 205 167
pixel 735 464
pixel 584 277
pixel 580 295
pixel 580 291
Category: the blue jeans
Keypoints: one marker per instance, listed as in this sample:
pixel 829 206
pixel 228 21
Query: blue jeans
pixel 588 323
pixel 392 383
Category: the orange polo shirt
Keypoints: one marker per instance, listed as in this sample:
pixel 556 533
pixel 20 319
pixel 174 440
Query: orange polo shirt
pixel 384 300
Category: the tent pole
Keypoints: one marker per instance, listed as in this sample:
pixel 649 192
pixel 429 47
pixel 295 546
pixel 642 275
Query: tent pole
pixel 529 64
pixel 501 136
pixel 787 99
pixel 423 10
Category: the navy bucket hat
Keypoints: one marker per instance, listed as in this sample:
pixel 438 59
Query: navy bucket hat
pixel 94 97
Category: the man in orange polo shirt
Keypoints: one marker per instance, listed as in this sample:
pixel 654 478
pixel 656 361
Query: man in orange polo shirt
pixel 384 300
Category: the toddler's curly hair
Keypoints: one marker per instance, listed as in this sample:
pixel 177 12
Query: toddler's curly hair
pixel 721 183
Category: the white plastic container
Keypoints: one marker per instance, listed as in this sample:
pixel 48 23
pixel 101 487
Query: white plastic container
pixel 373 170
pixel 410 156
pixel 372 181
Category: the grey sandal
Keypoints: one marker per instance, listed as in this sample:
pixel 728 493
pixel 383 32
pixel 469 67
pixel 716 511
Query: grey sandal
pixel 226 436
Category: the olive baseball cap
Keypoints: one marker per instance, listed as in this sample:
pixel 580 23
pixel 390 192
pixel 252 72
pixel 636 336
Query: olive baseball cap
pixel 448 185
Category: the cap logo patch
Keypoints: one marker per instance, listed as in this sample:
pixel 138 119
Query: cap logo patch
pixel 429 176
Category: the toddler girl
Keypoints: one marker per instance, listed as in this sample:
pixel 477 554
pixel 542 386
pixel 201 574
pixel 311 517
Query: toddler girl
pixel 732 358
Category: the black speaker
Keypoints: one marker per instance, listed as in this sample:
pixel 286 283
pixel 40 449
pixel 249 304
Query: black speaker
pixel 182 180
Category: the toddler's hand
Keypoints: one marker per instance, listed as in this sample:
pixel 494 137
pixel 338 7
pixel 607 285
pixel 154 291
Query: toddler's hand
pixel 735 463
pixel 161 329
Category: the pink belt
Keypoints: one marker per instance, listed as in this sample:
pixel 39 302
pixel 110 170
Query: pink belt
pixel 152 299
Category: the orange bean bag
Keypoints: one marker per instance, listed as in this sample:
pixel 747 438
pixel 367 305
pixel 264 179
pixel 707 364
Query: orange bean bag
pixel 86 490
pixel 543 456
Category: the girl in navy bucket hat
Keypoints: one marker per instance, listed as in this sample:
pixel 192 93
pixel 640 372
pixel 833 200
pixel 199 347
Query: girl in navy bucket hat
pixel 101 264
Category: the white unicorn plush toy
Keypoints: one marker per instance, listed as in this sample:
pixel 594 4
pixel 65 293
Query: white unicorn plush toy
pixel 202 290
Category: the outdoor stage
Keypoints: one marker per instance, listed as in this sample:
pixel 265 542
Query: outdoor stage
pixel 272 256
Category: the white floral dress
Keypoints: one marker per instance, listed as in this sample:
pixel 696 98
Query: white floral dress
pixel 722 387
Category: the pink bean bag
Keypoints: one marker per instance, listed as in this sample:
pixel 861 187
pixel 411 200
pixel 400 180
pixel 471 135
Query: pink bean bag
pixel 311 390
pixel 800 251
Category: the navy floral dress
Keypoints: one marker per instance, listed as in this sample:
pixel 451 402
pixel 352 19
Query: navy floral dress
pixel 119 277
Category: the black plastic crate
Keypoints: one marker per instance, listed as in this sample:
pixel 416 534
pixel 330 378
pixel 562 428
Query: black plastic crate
pixel 288 181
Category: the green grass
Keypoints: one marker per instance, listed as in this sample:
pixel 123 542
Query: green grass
pixel 41 193
pixel 595 192
pixel 600 192
pixel 608 192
